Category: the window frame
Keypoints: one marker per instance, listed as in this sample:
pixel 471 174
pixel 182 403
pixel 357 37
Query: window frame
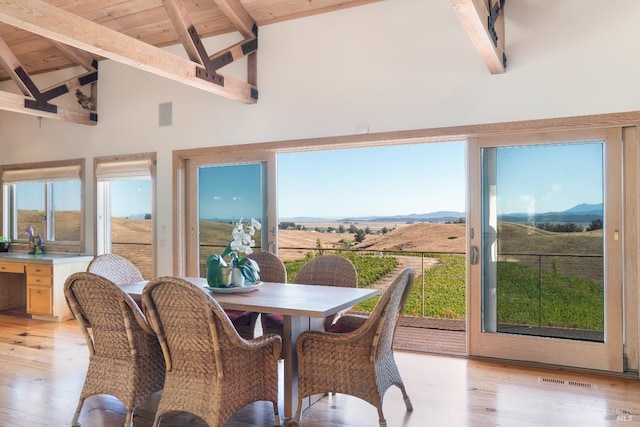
pixel 9 215
pixel 122 167
pixel 628 121
pixel 188 217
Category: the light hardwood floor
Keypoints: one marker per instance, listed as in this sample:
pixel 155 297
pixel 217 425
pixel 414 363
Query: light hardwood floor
pixel 42 367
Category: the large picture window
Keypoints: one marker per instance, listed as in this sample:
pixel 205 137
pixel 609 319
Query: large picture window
pixel 603 254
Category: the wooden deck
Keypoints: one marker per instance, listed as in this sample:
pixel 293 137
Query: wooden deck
pixel 442 336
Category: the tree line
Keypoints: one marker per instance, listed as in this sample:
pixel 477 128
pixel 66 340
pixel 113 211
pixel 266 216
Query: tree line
pixel 359 234
pixel 596 224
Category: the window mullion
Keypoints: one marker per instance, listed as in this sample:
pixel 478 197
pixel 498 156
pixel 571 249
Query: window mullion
pixel 48 212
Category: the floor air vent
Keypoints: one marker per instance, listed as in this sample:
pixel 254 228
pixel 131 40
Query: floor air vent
pixel 569 383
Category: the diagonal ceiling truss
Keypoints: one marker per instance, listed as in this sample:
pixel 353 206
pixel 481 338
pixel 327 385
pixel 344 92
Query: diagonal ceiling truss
pixel 84 41
pixel 484 22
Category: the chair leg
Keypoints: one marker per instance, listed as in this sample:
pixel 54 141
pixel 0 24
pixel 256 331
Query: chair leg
pixel 381 419
pixel 74 422
pixel 76 416
pixel 405 396
pixel 128 421
pixel 298 416
pixel 276 416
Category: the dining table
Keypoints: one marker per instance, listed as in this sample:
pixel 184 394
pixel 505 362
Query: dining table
pixel 303 307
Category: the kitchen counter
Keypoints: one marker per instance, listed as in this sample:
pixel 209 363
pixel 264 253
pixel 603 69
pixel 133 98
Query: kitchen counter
pixel 35 283
pixel 45 258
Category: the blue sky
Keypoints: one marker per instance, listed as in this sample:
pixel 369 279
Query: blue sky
pixel 136 197
pixel 547 178
pixel 417 178
pixel 396 180
pixel 230 192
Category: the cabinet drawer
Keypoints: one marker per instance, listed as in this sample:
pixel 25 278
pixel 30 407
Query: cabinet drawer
pixel 11 267
pixel 39 270
pixel 39 280
pixel 40 275
pixel 39 299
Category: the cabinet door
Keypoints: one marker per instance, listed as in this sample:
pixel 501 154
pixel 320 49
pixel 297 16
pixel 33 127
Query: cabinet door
pixel 39 300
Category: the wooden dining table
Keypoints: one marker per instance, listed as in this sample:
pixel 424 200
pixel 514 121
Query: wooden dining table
pixel 303 307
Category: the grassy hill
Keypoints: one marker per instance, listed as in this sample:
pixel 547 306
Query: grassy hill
pixel 132 238
pixel 515 241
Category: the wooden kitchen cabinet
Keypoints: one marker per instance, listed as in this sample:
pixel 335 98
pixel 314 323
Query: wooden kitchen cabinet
pixel 40 300
pixel 39 289
pixel 37 282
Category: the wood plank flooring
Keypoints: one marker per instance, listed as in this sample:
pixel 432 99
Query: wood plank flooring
pixel 42 367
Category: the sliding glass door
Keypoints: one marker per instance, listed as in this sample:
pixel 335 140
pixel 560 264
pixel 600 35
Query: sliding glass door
pixel 545 279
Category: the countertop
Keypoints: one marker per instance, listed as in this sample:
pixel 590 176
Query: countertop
pixel 46 258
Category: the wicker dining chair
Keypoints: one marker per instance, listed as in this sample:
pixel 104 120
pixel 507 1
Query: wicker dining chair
pixel 272 269
pixel 359 363
pixel 116 268
pixel 327 270
pixel 125 358
pixel 212 371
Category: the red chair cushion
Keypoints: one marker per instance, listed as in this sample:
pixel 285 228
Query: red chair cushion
pixel 239 317
pixel 341 328
pixel 273 321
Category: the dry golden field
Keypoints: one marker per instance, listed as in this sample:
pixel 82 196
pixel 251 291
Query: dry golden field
pixel 422 237
pixel 514 240
pixel 132 238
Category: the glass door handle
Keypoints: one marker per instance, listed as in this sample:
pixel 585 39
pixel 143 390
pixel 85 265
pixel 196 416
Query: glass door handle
pixel 473 255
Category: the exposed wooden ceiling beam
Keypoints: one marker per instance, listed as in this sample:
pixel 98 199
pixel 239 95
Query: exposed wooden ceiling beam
pixel 247 26
pixel 56 24
pixel 14 102
pixel 196 51
pixel 10 63
pixel 34 101
pixel 182 22
pixel 238 15
pixel 486 30
pixel 80 57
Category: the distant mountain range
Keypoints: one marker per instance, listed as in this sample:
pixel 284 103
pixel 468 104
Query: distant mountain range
pixel 440 216
pixel 579 214
pixel 582 213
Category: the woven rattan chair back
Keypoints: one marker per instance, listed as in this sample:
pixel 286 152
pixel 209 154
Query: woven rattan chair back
pixel 326 361
pixel 211 371
pixel 328 270
pixel 116 268
pixel 271 270
pixel 125 358
pixel 271 267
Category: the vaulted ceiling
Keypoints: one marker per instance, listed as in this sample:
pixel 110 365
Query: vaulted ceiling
pixel 39 36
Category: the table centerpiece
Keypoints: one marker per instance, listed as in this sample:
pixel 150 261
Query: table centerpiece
pixel 239 270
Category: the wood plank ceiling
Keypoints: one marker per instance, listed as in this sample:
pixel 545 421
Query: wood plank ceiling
pixel 40 36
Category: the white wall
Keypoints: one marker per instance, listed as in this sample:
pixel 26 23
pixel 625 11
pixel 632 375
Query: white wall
pixel 391 65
